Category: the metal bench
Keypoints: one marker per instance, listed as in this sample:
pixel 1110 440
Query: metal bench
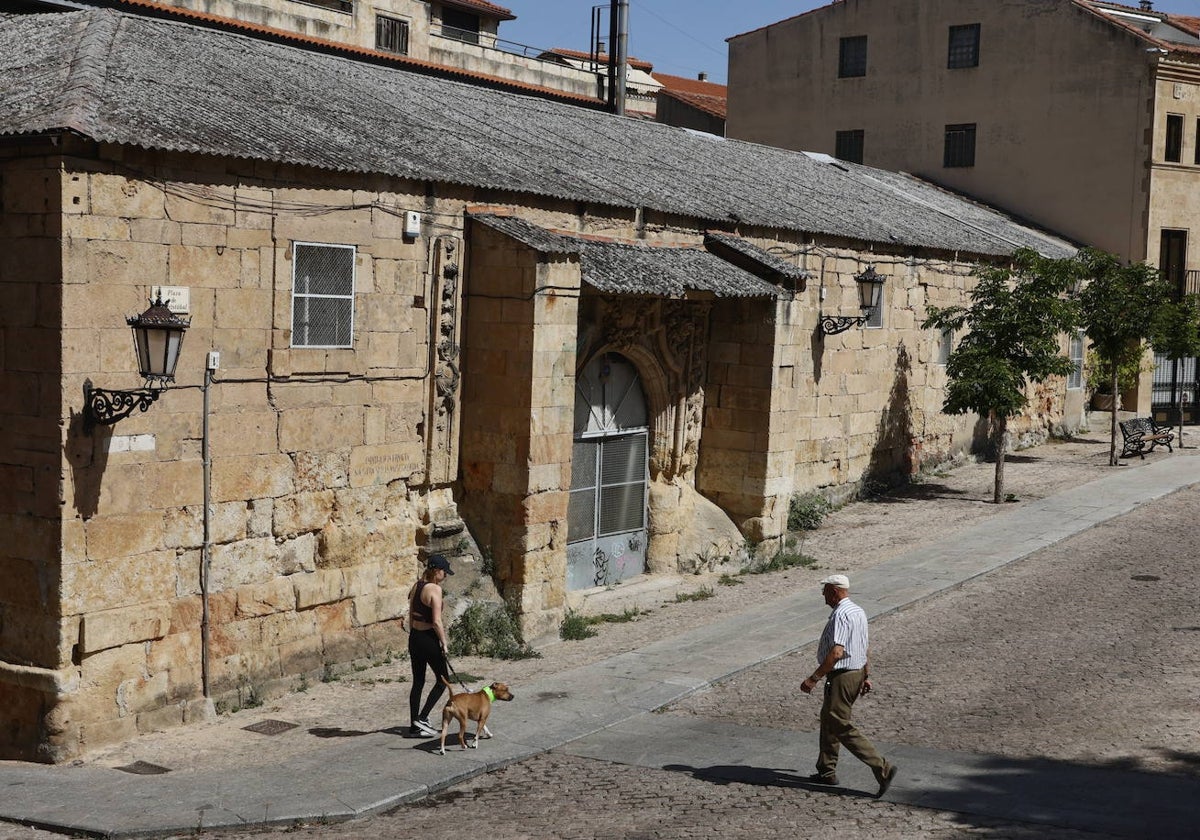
pixel 1142 434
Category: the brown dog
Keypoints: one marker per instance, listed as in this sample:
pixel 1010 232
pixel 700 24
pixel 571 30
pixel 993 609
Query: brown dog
pixel 476 705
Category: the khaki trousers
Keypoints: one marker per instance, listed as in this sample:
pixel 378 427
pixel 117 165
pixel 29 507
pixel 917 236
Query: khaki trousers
pixel 841 690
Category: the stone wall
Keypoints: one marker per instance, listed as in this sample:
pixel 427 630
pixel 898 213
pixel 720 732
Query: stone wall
pixel 31 335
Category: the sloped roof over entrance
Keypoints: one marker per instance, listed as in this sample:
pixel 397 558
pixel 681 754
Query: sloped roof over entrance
pixel 634 269
pixel 167 85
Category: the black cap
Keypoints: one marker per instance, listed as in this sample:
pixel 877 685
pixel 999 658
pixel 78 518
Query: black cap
pixel 439 561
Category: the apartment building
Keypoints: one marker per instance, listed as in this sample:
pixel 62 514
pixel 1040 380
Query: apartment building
pixel 1078 115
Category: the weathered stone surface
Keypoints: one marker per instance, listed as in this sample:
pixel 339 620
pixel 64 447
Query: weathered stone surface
pixel 320 587
pixel 242 563
pixel 111 628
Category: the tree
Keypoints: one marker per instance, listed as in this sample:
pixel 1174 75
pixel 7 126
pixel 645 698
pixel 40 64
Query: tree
pixel 1177 336
pixel 1121 307
pixel 1015 323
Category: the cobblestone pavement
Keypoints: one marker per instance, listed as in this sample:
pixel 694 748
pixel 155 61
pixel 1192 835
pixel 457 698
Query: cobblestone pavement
pixel 1087 651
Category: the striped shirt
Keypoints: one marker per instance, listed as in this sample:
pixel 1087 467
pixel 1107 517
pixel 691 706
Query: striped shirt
pixel 847 626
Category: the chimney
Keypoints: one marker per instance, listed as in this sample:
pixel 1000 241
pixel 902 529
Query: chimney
pixel 1147 5
pixel 702 77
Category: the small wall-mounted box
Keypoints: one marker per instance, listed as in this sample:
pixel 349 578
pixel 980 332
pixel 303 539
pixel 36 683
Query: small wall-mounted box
pixel 412 224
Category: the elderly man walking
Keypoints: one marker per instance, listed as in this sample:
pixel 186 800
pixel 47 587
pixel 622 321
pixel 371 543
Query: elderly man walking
pixel 842 662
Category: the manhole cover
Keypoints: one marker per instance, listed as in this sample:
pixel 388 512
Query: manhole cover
pixel 144 768
pixel 270 727
pixel 1146 577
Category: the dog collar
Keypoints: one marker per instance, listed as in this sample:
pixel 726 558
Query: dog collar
pixel 488 693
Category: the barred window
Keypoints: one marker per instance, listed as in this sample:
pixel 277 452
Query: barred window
pixel 849 145
pixel 852 57
pixel 391 34
pixel 1075 379
pixel 964 46
pixel 322 295
pixel 960 145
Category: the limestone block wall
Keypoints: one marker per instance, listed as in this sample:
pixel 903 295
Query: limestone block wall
pixel 324 482
pixel 521 316
pixel 30 407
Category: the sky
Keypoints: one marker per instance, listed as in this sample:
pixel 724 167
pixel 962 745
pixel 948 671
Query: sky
pixel 680 37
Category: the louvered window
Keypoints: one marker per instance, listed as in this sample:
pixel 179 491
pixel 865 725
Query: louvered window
pixel 322 295
pixel 391 34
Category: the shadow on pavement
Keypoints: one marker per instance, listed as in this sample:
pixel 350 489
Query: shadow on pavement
pixel 724 774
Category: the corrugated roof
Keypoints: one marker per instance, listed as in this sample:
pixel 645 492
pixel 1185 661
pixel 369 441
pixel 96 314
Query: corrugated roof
pixel 169 85
pixel 630 268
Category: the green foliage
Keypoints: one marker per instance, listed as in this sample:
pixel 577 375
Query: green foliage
pixel 701 594
pixel 1177 332
pixel 1013 326
pixel 575 626
pixel 489 629
pixel 781 561
pixel 1099 376
pixel 328 675
pixel 1122 307
pixel 728 580
pixel 805 512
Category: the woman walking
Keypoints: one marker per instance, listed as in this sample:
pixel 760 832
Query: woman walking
pixel 427 642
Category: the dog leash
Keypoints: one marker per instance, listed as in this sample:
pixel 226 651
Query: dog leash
pixel 454 674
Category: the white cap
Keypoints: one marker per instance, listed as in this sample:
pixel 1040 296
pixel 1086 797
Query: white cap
pixel 840 581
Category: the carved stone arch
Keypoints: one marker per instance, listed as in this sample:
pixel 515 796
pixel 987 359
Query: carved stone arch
pixel 660 409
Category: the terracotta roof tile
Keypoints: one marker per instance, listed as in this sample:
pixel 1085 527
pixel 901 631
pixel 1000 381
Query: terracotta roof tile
pixel 602 58
pixel 711 105
pixel 688 85
pixel 489 9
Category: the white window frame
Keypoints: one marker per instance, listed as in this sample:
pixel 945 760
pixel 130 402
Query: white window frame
pixel 1075 378
pixel 300 299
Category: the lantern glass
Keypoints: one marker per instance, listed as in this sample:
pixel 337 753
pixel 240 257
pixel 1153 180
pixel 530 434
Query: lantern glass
pixel 870 287
pixel 158 338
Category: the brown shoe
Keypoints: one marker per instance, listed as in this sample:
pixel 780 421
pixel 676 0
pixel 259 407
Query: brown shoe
pixel 818 779
pixel 885 779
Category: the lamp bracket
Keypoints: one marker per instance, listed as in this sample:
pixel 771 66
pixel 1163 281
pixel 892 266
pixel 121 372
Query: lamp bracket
pixel 834 324
pixel 102 407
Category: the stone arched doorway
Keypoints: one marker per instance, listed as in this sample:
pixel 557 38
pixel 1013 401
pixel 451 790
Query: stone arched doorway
pixel 606 531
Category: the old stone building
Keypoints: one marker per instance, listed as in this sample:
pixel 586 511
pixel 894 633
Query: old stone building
pixel 1080 115
pixel 570 344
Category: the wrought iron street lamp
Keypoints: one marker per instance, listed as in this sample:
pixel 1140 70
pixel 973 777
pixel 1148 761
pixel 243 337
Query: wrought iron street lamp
pixel 158 338
pixel 870 289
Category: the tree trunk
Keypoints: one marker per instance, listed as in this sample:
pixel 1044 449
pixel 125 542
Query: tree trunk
pixel 1001 438
pixel 1112 432
pixel 1179 411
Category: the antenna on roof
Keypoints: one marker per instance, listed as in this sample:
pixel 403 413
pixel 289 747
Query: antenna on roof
pixel 1146 5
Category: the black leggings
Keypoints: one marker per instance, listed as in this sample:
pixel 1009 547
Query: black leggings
pixel 424 649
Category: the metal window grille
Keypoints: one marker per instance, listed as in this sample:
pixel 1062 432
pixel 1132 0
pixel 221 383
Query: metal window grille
pixel 391 34
pixel 1075 379
pixel 964 46
pixel 852 57
pixel 960 145
pixel 849 145
pixel 322 295
pixel 1174 150
pixel 1197 157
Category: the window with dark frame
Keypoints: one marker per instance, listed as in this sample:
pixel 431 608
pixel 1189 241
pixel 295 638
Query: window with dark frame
pixel 1075 352
pixel 852 57
pixel 391 34
pixel 849 145
pixel 960 145
pixel 460 25
pixel 1174 150
pixel 964 46
pixel 322 295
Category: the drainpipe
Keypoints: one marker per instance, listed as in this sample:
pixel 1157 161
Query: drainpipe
pixel 206 550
